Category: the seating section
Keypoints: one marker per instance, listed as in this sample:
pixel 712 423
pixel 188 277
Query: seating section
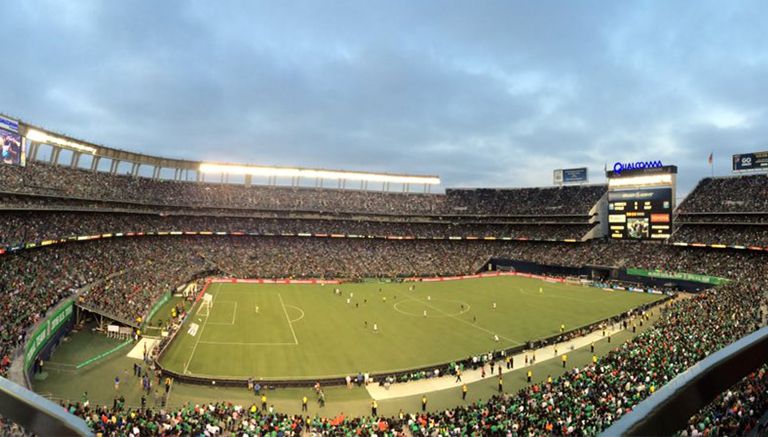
pixel 126 275
pixel 730 211
pixel 57 181
pixel 728 194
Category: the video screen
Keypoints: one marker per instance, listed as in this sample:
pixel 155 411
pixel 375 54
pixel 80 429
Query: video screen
pixel 640 214
pixel 12 146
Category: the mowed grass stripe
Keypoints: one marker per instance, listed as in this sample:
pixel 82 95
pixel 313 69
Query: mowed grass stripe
pixel 337 339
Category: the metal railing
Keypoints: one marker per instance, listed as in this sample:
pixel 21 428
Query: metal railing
pixel 37 414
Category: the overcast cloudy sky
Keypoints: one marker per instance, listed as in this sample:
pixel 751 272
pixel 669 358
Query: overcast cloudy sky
pixel 480 93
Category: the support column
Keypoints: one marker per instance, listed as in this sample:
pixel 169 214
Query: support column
pixel 113 166
pixel 248 179
pixel 95 163
pixel 135 169
pixel 75 159
pixel 33 148
pixel 55 155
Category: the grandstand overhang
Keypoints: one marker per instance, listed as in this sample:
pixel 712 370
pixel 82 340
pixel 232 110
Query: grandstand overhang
pixel 310 173
pixel 139 164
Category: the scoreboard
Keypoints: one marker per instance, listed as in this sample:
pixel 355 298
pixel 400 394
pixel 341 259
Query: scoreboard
pixel 640 214
pixel 641 202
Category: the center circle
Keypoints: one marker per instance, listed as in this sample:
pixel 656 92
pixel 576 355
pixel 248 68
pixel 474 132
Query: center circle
pixel 436 308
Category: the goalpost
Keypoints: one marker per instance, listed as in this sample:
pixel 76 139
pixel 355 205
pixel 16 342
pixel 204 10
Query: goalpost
pixel 205 305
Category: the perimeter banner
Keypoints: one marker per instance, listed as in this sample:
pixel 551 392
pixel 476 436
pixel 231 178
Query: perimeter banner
pixel 45 331
pixel 714 280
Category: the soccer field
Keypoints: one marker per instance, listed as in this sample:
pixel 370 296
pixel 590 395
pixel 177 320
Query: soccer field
pixel 284 331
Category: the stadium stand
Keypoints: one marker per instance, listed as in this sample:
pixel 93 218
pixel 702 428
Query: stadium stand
pixel 728 194
pixel 45 202
pixel 728 210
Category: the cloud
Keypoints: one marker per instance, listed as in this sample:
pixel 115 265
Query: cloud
pixel 497 94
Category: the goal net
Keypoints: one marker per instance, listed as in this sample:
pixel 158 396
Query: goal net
pixel 205 305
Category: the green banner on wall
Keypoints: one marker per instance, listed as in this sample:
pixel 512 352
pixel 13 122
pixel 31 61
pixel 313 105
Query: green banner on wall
pixel 704 279
pixel 46 330
pixel 156 307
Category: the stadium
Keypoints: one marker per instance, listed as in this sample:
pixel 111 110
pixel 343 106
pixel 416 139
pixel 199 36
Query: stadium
pixel 329 300
pixel 187 290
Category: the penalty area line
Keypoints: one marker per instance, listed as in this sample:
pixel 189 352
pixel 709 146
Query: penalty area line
pixel 194 348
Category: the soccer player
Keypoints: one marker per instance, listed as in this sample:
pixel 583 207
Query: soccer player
pixel 501 384
pixel 304 403
pixel 263 402
pixel 530 376
pixel 458 375
pixel 374 408
pixel 464 392
pixel 375 328
pixel 496 338
pixel 565 360
pixel 494 305
pixel 257 309
pixel 423 403
pixel 425 313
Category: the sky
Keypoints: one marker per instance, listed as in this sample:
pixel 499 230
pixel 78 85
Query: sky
pixel 483 94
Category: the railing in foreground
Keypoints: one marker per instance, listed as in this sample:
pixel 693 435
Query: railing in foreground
pixel 668 410
pixel 37 414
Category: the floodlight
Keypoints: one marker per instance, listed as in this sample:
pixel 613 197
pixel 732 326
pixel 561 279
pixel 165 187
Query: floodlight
pixel 316 174
pixel 42 137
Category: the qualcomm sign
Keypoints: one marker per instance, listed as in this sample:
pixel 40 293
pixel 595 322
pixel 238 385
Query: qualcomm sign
pixel 620 167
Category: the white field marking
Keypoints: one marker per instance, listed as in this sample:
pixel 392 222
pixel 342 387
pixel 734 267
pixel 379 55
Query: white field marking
pixel 194 348
pixel 468 307
pixel 234 312
pixel 466 322
pixel 290 324
pixel 235 343
pixel 297 308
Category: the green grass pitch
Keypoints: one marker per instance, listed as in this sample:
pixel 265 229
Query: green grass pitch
pixel 306 331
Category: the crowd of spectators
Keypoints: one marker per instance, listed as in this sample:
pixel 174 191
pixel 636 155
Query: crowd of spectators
pixel 728 210
pixel 743 235
pixel 735 412
pixel 45 179
pixel 728 194
pixel 574 199
pixel 36 226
